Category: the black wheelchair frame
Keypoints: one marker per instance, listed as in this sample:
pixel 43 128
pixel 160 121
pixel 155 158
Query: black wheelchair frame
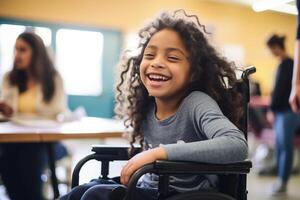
pixel 232 176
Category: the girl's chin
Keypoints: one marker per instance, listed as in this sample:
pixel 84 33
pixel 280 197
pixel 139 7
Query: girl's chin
pixel 157 94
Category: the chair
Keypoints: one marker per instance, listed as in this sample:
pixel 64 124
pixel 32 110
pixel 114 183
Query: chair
pixel 232 176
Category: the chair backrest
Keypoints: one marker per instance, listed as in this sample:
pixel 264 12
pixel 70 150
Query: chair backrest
pixel 242 86
pixel 235 185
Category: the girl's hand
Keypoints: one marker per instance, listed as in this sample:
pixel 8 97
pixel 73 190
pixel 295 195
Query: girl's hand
pixel 140 160
pixel 5 109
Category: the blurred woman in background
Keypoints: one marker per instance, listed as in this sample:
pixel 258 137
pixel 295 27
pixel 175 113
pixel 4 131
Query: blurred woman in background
pixel 32 88
pixel 285 121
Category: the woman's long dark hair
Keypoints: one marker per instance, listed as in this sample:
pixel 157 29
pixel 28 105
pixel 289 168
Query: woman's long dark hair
pixel 211 73
pixel 41 68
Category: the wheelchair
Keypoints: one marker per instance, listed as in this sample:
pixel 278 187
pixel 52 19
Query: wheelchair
pixel 232 176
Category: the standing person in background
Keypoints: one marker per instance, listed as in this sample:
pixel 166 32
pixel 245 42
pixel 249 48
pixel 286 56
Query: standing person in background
pixel 32 87
pixel 285 121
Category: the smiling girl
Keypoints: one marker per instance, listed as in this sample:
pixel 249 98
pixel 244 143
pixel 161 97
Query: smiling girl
pixel 174 95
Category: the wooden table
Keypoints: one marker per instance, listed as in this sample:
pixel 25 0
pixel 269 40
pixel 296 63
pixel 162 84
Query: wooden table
pixel 86 128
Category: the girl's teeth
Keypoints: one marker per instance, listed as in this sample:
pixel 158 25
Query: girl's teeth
pixel 153 76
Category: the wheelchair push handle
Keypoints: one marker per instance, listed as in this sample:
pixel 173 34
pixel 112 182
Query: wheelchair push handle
pixel 248 71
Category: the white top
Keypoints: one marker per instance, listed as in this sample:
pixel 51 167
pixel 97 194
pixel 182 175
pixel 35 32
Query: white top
pixel 58 103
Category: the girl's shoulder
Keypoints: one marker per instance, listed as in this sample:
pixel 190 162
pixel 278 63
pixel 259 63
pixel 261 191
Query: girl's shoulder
pixel 198 100
pixel 199 104
pixel 198 97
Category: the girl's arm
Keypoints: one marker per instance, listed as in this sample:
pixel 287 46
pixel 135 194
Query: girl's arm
pixel 140 160
pixel 225 142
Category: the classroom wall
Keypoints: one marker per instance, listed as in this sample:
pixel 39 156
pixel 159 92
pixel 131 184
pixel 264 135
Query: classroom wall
pixel 232 24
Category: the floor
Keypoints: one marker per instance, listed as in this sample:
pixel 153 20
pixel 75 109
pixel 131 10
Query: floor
pixel 257 185
pixel 258 188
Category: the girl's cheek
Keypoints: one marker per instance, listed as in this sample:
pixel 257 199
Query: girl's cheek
pixel 142 69
pixel 142 77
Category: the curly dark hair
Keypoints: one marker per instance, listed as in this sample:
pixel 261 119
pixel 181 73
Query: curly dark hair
pixel 41 68
pixel 211 73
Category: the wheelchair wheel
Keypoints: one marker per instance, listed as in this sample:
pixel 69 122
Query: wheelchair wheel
pixel 201 195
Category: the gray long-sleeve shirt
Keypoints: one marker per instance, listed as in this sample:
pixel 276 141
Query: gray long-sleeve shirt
pixel 199 132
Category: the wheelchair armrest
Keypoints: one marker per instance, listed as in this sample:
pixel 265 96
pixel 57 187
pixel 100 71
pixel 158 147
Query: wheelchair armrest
pixel 165 167
pixel 114 152
pixel 180 167
pixel 104 154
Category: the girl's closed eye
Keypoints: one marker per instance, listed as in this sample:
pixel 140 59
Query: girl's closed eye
pixel 171 58
pixel 174 58
pixel 149 56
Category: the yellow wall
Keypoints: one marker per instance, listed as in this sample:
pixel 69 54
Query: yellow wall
pixel 234 24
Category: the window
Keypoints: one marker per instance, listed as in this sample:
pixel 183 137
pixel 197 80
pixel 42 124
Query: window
pixel 78 55
pixel 45 34
pixel 8 35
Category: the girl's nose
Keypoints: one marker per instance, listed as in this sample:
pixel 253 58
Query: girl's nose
pixel 157 64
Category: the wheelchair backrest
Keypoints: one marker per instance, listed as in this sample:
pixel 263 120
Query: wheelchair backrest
pixel 235 185
pixel 244 89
